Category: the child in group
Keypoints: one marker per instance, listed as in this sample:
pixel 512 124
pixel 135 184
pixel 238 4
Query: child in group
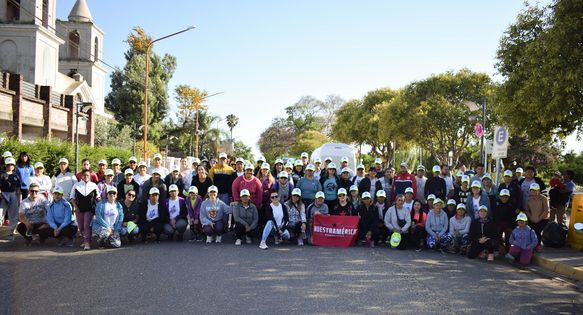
pixel 523 240
pixel 451 209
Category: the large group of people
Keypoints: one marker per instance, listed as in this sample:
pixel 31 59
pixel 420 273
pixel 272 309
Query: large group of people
pixel 460 211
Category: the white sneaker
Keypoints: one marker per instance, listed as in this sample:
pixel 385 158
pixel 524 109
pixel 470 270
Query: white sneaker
pixel 219 239
pixel 263 245
pixel 300 242
pixel 248 240
pixel 238 242
pixel 209 239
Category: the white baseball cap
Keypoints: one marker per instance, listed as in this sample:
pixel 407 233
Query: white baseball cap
pixel 38 165
pixel 109 172
pixel 104 162
pixel 378 161
pixel 508 173
pixel 193 189
pixel 288 165
pixel 249 166
pixel 196 160
pixel 476 184
pixel 403 164
pixel 381 193
pixel 483 208
pixel 154 190
pixel 409 190
pixel 420 167
pixel 279 161
pixel 505 192
pixel 360 167
pixel 6 154
pixel 317 160
pixel 465 178
pixel 63 160
pixel 298 163
pixel 304 155
pixel 111 189
pixel 116 161
pixel 128 172
pixel 328 159
pixel 142 164
pixel 10 160
pixel 265 166
pixel 222 155
pixel 534 186
pixel 261 158
pixel 240 160
pixel 310 167
pixel 58 190
pixel 487 176
pixel 353 188
pixel 519 170
pixel 244 192
pixel 172 188
pixel 157 156
pixel 451 202
pixel 331 165
pixel 320 195
pixel 344 159
pixel 461 206
pixel 133 159
pixel 213 188
pixel 345 170
pixel 296 192
pixel 365 195
pixel 341 191
pixel 436 168
pixel 431 197
pixel 282 174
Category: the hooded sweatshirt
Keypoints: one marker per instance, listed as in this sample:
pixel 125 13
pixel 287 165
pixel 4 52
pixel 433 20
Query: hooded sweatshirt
pixel 392 217
pixel 436 224
pixel 212 211
pixel 245 215
pixel 461 225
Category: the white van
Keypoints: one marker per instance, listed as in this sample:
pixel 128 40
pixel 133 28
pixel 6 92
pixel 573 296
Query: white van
pixel 336 151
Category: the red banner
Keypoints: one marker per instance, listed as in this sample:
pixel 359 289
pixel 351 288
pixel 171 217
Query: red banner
pixel 334 230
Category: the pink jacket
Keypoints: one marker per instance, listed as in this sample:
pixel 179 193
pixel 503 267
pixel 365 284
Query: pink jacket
pixel 253 185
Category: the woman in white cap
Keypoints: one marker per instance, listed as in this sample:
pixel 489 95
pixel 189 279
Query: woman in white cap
pixel 106 183
pixel 289 168
pixel 297 216
pixel 382 205
pixel 318 166
pixel 277 220
pixel 318 207
pixel 246 217
pixel 193 202
pixel 398 219
pixel 154 182
pixel 108 220
pixel 9 190
pixel 368 226
pixel 537 210
pixel 63 177
pixel 512 186
pixel 59 218
pixel 177 214
pixel 330 184
pixel 463 192
pixel 132 164
pixel 153 215
pixel 298 171
pixel 354 197
pixel 476 199
pixel 131 214
pixel 174 178
pixel 157 166
pixel 267 181
pixel 249 182
pixel 277 168
pixel 458 236
pixel 283 187
pixel 118 175
pixel 212 216
pixel 84 197
pixel 482 236
pixel 142 175
pixel 490 189
pixel 409 198
pixel 436 226
pixel 435 184
pixel 359 175
pixel 523 240
pixel 44 182
pixel 128 183
pixel 5 155
pixel 201 181
pixel 309 185
pixel 101 168
pixel 344 181
pixel 344 206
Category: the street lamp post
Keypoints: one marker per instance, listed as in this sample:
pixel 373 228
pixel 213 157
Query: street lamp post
pixel 146 84
pixel 473 106
pixel 80 108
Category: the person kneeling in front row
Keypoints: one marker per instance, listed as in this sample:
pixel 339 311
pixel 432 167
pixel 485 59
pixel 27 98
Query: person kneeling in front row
pixel 177 214
pixel 398 220
pixel 153 215
pixel 212 214
pixel 523 241
pixel 60 220
pixel 108 220
pixel 482 235
pixel 246 218
pixel 277 220
pixel 33 216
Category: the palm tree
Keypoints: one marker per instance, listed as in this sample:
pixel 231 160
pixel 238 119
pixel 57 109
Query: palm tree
pixel 232 121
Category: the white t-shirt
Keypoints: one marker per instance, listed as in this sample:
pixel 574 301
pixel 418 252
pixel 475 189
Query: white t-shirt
pixel 408 205
pixel 152 211
pixel 141 179
pixel 476 201
pixel 173 208
pixel 373 187
pixel 278 214
pixel 110 214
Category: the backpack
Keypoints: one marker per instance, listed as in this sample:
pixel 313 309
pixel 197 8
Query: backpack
pixel 554 235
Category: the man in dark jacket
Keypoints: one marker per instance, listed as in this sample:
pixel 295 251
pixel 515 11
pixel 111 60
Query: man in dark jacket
pixel 153 215
pixel 127 184
pixel 436 185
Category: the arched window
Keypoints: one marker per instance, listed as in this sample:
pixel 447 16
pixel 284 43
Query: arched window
pixel 45 13
pixel 13 10
pixel 96 48
pixel 74 40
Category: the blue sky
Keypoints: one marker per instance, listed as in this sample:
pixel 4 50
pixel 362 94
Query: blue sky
pixel 265 55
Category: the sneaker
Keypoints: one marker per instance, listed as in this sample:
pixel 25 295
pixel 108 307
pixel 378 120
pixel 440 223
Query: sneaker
pixel 263 245
pixel 199 238
pixel 238 242
pixel 509 257
pixel 418 249
pixel 300 242
pixel 248 240
pixel 86 246
pixel 490 257
pixel 538 249
pixel 82 245
pixel 71 243
pixel 209 239
pixel 28 233
pixel 219 239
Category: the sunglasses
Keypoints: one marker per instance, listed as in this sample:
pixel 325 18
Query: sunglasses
pixel 112 193
pixel 274 197
pixel 33 191
pixel 132 195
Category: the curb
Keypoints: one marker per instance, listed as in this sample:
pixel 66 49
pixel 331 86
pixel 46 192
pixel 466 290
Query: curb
pixel 4 232
pixel 560 268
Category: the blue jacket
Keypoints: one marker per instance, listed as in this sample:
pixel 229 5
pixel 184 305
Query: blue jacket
pixel 25 173
pixel 484 201
pixel 523 238
pixel 100 216
pixel 60 214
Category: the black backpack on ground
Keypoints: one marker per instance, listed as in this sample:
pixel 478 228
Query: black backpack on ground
pixel 554 234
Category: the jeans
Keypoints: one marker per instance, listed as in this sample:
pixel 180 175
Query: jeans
pixel 180 228
pixel 269 229
pixel 84 222
pixel 9 205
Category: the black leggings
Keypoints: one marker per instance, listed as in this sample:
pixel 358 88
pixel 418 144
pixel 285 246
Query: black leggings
pixel 538 228
pixel 476 248
pixel 146 227
pixel 240 231
pixel 418 235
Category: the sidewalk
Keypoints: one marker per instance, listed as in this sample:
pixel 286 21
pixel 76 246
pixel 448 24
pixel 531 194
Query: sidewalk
pixel 564 261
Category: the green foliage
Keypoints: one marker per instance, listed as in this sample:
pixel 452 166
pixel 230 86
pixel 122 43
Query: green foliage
pixel 541 60
pixel 242 150
pixel 126 99
pixel 276 140
pixel 572 162
pixel 50 151
pixel 308 141
pixel 303 115
pixel 110 133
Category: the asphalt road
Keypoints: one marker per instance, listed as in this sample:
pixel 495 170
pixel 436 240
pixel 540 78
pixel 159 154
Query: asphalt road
pixel 186 278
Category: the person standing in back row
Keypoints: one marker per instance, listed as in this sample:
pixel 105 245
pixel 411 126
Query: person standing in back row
pixel 403 181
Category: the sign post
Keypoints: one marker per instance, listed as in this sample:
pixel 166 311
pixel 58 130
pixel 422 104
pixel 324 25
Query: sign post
pixel 500 149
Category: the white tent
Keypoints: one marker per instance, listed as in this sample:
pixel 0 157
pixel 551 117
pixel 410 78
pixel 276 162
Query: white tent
pixel 336 151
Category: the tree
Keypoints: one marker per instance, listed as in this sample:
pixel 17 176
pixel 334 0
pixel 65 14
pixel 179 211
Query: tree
pixel 276 140
pixel 327 110
pixel 126 98
pixel 110 133
pixel 541 60
pixel 308 141
pixel 242 150
pixel 232 121
pixel 303 115
pixel 436 118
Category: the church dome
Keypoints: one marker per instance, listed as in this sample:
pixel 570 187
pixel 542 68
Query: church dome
pixel 80 12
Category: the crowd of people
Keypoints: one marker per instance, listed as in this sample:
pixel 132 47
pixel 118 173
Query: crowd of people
pixel 460 211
